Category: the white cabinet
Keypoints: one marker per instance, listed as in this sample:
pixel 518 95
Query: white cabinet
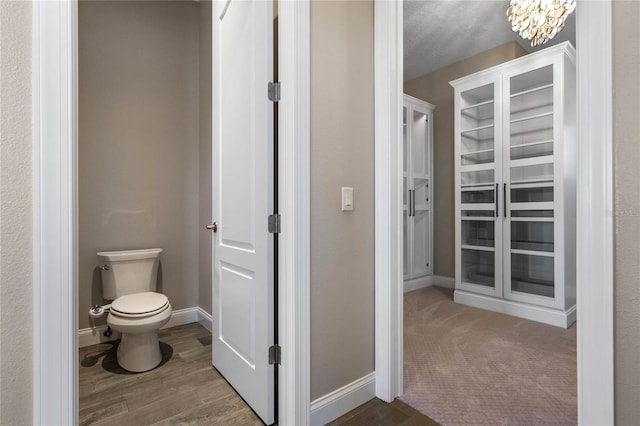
pixel 515 180
pixel 417 186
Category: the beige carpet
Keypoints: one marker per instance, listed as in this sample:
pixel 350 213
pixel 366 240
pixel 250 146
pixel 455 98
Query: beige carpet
pixel 468 366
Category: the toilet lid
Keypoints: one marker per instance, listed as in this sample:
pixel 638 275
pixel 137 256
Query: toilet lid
pixel 139 304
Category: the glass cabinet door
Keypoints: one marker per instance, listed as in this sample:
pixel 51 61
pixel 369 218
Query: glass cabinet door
pixel 529 187
pixel 480 231
pixel 405 195
pixel 416 181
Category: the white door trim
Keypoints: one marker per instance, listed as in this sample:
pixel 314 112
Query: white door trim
pixel 595 208
pixel 388 200
pixel 55 279
pixel 294 374
pixel 595 213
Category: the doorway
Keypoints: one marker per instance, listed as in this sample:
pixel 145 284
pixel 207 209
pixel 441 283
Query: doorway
pixel 590 295
pixel 55 192
pixel 495 356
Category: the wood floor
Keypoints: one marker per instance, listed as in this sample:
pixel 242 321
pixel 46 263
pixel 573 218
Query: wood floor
pixel 183 390
pixel 186 390
pixel 379 413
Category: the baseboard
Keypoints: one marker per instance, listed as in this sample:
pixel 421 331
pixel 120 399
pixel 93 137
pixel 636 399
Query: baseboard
pixel 94 335
pixel 417 283
pixel 522 310
pixel 445 282
pixel 205 319
pixel 428 281
pixel 333 405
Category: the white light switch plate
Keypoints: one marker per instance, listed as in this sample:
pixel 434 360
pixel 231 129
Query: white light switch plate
pixel 347 199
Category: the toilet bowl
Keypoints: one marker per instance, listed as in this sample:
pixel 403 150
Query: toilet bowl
pixel 139 317
pixel 129 279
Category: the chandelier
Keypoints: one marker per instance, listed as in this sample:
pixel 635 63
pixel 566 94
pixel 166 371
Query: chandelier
pixel 539 20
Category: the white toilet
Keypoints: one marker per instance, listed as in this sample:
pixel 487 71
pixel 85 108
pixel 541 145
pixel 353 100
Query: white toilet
pixel 137 311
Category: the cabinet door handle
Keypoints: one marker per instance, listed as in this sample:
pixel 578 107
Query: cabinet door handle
pixel 504 202
pixel 412 208
pixel 496 197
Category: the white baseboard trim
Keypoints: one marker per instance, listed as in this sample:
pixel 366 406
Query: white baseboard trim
pixel 333 405
pixel 205 319
pixel 428 281
pixel 445 282
pixel 535 313
pixel 94 335
pixel 417 283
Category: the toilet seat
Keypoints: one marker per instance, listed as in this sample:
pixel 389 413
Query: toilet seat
pixel 139 305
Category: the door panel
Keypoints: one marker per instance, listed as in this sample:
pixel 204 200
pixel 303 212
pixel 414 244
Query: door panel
pixel 243 305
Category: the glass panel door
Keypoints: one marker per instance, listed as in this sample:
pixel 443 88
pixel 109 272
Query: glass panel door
pixel 405 194
pixel 478 201
pixel 529 231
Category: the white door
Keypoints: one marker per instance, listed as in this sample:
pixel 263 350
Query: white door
pixel 243 296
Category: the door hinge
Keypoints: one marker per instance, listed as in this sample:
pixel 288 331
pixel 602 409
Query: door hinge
pixel 274 354
pixel 274 223
pixel 274 91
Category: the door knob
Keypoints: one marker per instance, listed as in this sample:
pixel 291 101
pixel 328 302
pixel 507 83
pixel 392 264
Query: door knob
pixel 213 227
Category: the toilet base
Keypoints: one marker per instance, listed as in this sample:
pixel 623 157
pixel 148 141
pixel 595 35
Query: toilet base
pixel 139 352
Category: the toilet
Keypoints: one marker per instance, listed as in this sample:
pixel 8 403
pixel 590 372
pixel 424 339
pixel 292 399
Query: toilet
pixel 136 311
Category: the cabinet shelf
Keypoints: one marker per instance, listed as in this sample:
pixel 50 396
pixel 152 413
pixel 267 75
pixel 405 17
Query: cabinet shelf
pixel 480 133
pixel 531 117
pixel 480 111
pixel 532 90
pixel 532 253
pixel 479 248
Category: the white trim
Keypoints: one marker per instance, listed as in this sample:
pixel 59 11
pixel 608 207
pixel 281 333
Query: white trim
pixel 444 282
pixel 294 208
pixel 205 319
pixel 93 335
pixel 428 281
pixel 522 310
pixel 417 284
pixel 55 307
pixel 388 199
pixel 595 213
pixel 595 207
pixel 334 404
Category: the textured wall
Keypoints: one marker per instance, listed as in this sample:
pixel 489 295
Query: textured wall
pixel 15 214
pixel 626 125
pixel 435 89
pixel 342 282
pixel 139 141
pixel 205 241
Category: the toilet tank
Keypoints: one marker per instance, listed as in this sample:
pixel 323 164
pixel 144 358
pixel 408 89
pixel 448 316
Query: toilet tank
pixel 128 271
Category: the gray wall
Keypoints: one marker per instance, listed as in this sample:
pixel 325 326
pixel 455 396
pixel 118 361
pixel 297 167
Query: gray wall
pixel 16 380
pixel 342 146
pixel 435 89
pixel 139 141
pixel 205 213
pixel 15 214
pixel 626 124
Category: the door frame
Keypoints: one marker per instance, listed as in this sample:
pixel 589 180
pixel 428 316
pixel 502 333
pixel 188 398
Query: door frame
pixel 55 212
pixel 595 207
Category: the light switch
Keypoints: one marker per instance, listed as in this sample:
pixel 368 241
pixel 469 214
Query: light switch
pixel 347 199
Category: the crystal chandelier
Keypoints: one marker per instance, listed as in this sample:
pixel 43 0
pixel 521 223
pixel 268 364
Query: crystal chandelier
pixel 539 20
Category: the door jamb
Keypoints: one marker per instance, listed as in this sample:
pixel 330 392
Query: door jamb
pixel 595 207
pixel 55 217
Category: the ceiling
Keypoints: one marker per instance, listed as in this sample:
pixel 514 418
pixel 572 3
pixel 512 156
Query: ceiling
pixel 439 33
